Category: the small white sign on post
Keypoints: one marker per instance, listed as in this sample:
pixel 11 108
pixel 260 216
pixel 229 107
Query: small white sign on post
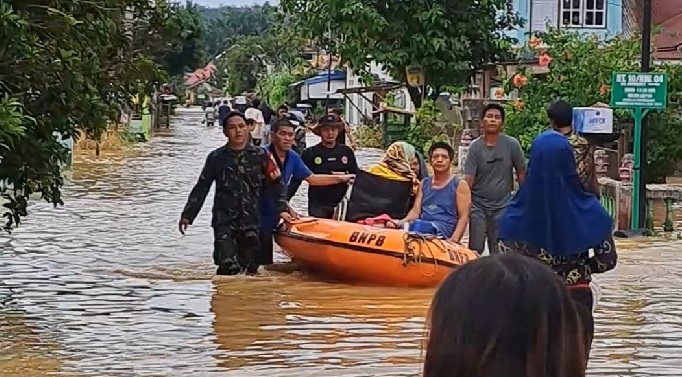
pixel 593 120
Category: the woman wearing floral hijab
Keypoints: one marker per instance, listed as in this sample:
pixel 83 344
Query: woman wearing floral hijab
pixel 396 164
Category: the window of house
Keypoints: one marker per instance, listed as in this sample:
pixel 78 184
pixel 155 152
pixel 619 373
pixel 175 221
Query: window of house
pixel 583 13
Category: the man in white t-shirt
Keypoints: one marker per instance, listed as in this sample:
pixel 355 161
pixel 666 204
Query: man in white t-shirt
pixel 256 114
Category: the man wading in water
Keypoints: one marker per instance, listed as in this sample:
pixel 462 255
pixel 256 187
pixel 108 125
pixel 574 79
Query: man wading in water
pixel 328 157
pixel 242 173
pixel 292 168
pixel 489 171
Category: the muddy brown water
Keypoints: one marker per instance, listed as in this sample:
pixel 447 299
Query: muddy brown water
pixel 105 286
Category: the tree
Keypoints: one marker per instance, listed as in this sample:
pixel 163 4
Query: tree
pixel 449 39
pixel 234 22
pixel 242 65
pixel 189 51
pixel 67 68
pixel 263 52
pixel 580 71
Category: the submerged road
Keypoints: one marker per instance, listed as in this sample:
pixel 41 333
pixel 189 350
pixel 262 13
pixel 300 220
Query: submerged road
pixel 105 286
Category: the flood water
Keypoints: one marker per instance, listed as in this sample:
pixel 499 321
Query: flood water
pixel 105 286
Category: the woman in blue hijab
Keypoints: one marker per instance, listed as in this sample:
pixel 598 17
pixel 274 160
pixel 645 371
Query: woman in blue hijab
pixel 552 218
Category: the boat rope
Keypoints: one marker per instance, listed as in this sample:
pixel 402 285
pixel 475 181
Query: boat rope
pixel 414 250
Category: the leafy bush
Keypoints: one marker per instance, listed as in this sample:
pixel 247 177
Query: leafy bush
pixel 429 127
pixel 368 136
pixel 580 69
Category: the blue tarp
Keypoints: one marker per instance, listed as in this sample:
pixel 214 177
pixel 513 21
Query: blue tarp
pixel 336 75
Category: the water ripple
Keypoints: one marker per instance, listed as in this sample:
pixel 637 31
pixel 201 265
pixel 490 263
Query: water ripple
pixel 106 286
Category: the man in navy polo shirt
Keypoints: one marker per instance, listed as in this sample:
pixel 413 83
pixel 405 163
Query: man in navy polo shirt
pixel 292 168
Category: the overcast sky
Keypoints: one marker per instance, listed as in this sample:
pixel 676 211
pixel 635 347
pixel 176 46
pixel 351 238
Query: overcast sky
pixel 216 3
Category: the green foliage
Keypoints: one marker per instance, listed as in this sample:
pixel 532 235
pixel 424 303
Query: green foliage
pixel 225 25
pixel 255 53
pixel 428 127
pixel 580 73
pixel 241 66
pixel 368 136
pixel 188 52
pixel 275 87
pixel 65 67
pixel 449 39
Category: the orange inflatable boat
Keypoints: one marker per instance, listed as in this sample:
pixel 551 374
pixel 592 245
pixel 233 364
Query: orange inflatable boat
pixel 365 254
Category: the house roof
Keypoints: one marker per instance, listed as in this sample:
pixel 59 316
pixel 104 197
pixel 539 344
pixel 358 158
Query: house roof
pixel 200 76
pixel 667 14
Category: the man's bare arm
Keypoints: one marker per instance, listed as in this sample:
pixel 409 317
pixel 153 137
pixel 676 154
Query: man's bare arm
pixel 416 209
pixel 463 203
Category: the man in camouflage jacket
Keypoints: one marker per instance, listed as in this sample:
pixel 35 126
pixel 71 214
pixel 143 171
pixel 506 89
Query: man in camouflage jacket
pixel 242 174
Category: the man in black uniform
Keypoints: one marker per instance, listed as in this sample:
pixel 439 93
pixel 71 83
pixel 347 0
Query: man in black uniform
pixel 242 173
pixel 345 131
pixel 328 157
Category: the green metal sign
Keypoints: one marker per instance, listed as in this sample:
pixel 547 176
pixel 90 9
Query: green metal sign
pixel 639 90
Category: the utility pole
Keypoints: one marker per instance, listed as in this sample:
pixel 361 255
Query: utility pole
pixel 329 67
pixel 644 67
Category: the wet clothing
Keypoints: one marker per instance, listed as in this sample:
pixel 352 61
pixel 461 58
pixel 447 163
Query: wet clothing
pixel 209 116
pixel 322 160
pixel 583 153
pixel 266 253
pixel 483 229
pixel 292 167
pixel 242 179
pixel 438 209
pixel 493 170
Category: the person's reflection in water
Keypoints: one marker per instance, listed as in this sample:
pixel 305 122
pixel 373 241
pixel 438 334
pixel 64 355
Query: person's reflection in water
pixel 504 315
pixel 240 321
pixel 552 218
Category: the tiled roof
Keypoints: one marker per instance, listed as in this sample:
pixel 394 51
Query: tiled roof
pixel 200 76
pixel 667 14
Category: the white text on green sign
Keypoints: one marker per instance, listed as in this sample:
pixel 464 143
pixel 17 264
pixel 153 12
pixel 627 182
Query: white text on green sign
pixel 644 90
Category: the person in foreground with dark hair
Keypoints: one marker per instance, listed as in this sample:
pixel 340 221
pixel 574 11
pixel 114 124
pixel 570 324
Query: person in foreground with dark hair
pixel 560 115
pixel 242 173
pixel 442 206
pixel 553 219
pixel 489 170
pixel 503 316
